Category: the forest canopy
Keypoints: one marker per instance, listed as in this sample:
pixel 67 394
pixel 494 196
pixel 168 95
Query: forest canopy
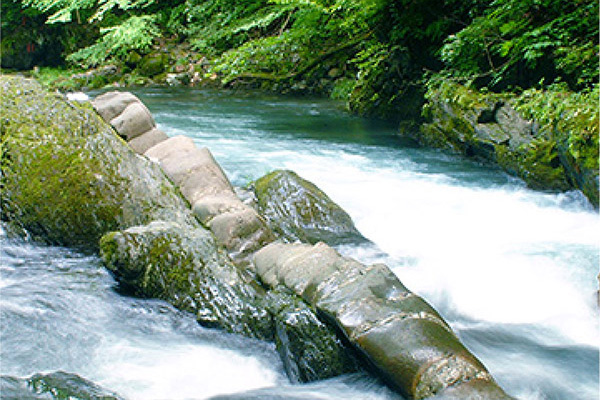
pixel 384 47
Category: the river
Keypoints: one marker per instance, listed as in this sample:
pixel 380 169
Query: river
pixel 512 270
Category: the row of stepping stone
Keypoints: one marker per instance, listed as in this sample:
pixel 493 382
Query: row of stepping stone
pixel 202 182
pixel 398 332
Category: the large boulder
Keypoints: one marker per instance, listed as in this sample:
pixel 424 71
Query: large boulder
pixel 401 335
pixel 183 266
pixel 67 178
pixel 297 210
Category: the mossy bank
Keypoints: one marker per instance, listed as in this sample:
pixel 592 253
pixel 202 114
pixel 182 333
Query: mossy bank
pixel 548 138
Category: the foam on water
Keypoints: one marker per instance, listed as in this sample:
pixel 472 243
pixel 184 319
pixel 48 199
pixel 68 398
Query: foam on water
pixel 501 254
pixel 157 370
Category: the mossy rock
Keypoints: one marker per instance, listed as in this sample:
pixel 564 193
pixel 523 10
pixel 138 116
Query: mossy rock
pixel 296 209
pixel 152 64
pixel 57 385
pixel 310 349
pixel 67 178
pixel 487 127
pixel 182 265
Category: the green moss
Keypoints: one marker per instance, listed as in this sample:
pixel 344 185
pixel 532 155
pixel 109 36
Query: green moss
pixel 571 120
pixel 43 165
pixel 67 178
pixel 181 264
pixel 559 153
pixel 541 168
pixel 152 64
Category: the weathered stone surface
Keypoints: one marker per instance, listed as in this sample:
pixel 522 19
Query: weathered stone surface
pixel 55 385
pixel 397 332
pixel 67 177
pixel 296 209
pixel 476 389
pixel 310 349
pixel 182 265
pixel 142 143
pixel 111 104
pixel 133 121
pixel 203 183
pixel 488 127
pixel 210 206
pixel 193 169
pixel 176 145
pixel 242 232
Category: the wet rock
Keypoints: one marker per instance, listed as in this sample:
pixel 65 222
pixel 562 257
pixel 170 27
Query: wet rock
pixel 397 332
pixel 486 126
pixel 310 349
pixel 203 183
pixel 67 178
pixel 56 385
pixel 182 265
pixel 296 209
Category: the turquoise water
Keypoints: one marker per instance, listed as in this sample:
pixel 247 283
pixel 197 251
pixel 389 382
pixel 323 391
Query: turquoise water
pixel 512 270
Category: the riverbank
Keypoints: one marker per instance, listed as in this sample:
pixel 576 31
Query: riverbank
pixel 548 138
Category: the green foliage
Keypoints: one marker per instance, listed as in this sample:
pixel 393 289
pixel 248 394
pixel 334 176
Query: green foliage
pixel 135 33
pixel 214 26
pixel 519 42
pixel 60 11
pixel 270 55
pixel 122 25
pixel 571 117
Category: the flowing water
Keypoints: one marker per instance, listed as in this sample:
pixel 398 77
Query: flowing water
pixel 512 270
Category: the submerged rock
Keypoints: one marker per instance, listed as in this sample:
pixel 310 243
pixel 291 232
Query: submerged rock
pixel 296 209
pixel 56 385
pixel 67 178
pixel 401 335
